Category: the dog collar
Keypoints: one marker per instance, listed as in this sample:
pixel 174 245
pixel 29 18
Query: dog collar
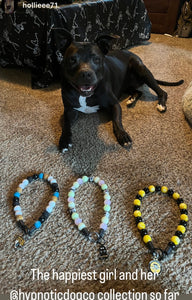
pixel 157 253
pixel 96 237
pixel 27 232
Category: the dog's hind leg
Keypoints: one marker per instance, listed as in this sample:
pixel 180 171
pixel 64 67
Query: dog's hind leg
pixel 145 76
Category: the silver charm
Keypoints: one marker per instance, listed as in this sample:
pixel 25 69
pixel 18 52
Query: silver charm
pixel 155 266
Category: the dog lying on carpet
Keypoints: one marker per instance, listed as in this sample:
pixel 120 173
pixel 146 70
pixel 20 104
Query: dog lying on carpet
pixel 94 78
pixel 187 104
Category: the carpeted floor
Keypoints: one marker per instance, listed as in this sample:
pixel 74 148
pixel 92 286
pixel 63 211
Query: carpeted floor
pixel 161 155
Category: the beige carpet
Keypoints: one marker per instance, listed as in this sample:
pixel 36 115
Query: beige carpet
pixel 161 154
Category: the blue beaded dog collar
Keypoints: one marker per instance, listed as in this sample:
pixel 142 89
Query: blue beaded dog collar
pixel 27 232
pixel 96 237
pixel 157 253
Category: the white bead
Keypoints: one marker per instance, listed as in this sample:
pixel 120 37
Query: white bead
pixel 53 181
pixel 50 178
pixel 17 207
pixel 18 213
pixel 52 204
pixel 22 186
pixel 25 182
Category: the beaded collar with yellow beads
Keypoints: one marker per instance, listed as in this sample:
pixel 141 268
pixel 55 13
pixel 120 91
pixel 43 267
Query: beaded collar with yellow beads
pixel 157 253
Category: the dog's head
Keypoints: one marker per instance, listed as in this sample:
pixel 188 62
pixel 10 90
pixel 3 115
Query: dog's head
pixel 83 62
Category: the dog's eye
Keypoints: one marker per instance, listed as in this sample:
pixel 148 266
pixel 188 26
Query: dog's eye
pixel 73 60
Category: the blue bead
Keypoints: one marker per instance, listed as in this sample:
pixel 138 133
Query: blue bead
pixel 37 224
pixel 41 176
pixel 56 194
pixel 17 194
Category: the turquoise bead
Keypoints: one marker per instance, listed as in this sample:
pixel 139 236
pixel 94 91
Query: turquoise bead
pixel 56 194
pixel 41 176
pixel 17 194
pixel 37 224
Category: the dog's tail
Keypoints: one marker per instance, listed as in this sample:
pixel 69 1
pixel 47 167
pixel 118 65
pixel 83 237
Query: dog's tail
pixel 165 83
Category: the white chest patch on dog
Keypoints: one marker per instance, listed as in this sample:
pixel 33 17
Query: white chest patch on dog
pixel 84 108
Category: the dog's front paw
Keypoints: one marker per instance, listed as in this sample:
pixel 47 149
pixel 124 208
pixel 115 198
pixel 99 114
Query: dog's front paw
pixel 124 139
pixel 64 145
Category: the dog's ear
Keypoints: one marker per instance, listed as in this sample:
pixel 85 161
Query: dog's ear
pixel 62 37
pixel 104 42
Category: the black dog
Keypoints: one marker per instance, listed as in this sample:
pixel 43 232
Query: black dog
pixel 94 78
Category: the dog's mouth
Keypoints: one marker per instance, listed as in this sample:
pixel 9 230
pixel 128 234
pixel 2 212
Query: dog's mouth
pixel 85 90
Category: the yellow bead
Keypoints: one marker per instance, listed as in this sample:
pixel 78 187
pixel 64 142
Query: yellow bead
pixel 183 206
pixel 137 202
pixel 141 193
pixel 19 217
pixel 184 217
pixel 151 188
pixel 45 176
pixel 181 228
pixel 19 190
pixel 137 213
pixel 164 189
pixel 141 225
pixel 54 198
pixel 175 239
pixel 176 196
pixel 146 238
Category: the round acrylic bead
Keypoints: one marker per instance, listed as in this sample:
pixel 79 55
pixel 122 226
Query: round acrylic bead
pixel 19 190
pixel 176 196
pixel 41 176
pixel 184 217
pixel 52 204
pixel 85 179
pixel 141 193
pixel 107 196
pixel 45 176
pixel 78 221
pixel 71 194
pixel 137 213
pixel 71 199
pixel 107 208
pixel 175 239
pixel 181 228
pixel 75 184
pixel 183 206
pixel 80 181
pixel 75 216
pixel 96 179
pixel 164 189
pixel 101 182
pixel 146 238
pixel 17 207
pixel 104 187
pixel 151 188
pixel 81 226
pixel 105 220
pixel 37 224
pixel 54 198
pixel 56 194
pixel 141 225
pixel 137 202
pixel 17 194
pixel 71 205
pixel 103 226
pixel 49 209
pixel 107 202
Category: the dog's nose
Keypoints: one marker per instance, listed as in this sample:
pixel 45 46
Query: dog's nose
pixel 86 74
